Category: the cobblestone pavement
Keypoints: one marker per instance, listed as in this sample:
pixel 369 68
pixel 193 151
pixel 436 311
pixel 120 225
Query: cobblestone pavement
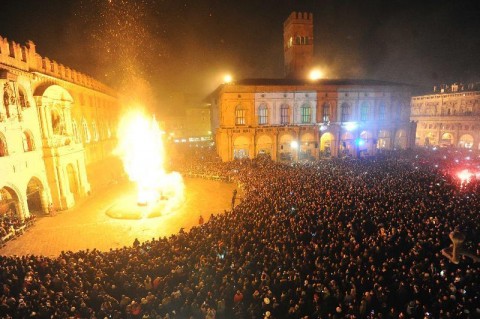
pixel 87 226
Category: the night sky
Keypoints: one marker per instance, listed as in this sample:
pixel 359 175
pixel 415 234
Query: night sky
pixel 187 45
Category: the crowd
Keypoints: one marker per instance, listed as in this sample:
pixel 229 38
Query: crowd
pixel 339 238
pixel 12 226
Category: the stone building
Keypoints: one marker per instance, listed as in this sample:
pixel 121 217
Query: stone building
pixel 448 117
pixel 294 119
pixel 56 131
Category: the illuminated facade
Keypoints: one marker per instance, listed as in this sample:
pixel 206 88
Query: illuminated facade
pixel 294 119
pixel 56 130
pixel 449 117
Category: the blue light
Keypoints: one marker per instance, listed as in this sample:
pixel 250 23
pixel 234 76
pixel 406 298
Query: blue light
pixel 359 142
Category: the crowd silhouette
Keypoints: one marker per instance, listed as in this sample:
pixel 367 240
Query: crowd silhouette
pixel 339 238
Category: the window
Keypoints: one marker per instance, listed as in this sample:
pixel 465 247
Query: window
pixel 345 112
pixel 284 114
pixel 239 115
pixel 297 40
pixel 326 113
pixel 3 146
pixel 364 112
pixel 86 132
pixel 22 99
pixel 306 111
pixel 28 143
pixel 381 111
pixel 95 131
pixel 262 114
pixel 58 125
pixel 76 137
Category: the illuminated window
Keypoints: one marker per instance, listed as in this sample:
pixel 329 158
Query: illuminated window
pixel 262 114
pixel 306 112
pixel 28 143
pixel 290 42
pixel 3 146
pixel 364 112
pixel 284 114
pixel 326 112
pixel 239 115
pixel 345 112
pixel 381 111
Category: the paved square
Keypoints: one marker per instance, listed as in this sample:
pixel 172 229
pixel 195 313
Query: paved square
pixel 87 226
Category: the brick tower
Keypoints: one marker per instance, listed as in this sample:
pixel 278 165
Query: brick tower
pixel 298 44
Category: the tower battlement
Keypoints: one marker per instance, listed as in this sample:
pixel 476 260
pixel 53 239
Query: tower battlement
pixel 26 58
pixel 299 17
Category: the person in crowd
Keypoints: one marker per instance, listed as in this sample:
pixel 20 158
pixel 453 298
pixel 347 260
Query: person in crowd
pixel 343 238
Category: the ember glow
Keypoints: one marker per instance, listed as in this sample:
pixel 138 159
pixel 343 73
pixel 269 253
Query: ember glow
pixel 140 147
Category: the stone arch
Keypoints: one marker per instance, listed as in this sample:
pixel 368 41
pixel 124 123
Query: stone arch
pixel 401 139
pixel 384 139
pixel 347 143
pixel 446 139
pixel 37 197
pixel 241 146
pixel 307 146
pixel 264 144
pixel 429 139
pixel 466 141
pixel 10 202
pixel 367 142
pixel 327 143
pixel 28 141
pixel 285 149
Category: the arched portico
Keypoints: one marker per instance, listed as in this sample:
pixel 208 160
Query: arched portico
pixel 466 141
pixel 10 203
pixel 327 144
pixel 264 145
pixel 285 150
pixel 241 147
pixel 37 197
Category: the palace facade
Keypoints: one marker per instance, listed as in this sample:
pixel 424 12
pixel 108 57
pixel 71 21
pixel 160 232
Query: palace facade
pixel 448 117
pixel 294 119
pixel 56 131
